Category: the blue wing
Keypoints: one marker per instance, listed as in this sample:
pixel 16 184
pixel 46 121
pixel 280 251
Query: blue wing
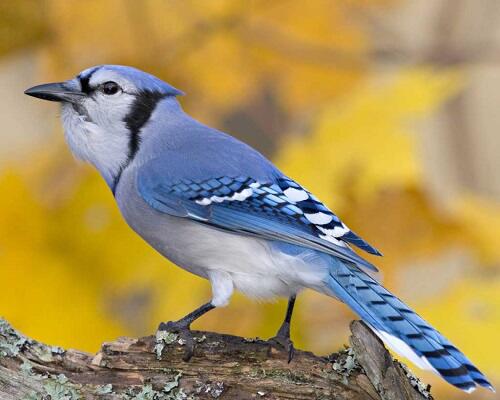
pixel 276 209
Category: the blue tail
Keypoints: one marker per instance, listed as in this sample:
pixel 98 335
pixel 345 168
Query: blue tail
pixel 401 328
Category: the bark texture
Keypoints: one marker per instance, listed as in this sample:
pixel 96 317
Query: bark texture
pixel 223 367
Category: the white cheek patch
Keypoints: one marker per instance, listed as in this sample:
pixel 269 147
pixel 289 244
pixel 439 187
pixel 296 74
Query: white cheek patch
pixel 109 112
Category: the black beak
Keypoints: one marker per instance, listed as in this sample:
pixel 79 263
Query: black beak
pixel 59 91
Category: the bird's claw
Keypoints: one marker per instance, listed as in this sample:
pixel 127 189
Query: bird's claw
pixel 282 339
pixel 184 333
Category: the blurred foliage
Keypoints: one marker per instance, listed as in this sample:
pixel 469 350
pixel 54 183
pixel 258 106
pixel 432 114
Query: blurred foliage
pixel 22 24
pixel 287 75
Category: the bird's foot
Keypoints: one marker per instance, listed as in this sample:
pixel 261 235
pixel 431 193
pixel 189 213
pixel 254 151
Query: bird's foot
pixel 184 331
pixel 282 339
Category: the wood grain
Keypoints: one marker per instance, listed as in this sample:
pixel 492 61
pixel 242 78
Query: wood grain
pixel 223 367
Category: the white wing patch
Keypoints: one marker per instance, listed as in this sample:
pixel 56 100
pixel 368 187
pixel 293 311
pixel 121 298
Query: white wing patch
pixel 319 218
pixel 296 195
pixel 325 225
pixel 238 196
pixel 336 232
pixel 333 240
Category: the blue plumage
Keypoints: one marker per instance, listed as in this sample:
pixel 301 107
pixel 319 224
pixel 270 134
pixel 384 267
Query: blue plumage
pixel 142 80
pixel 387 315
pixel 263 209
pixel 268 199
pixel 283 220
pixel 221 210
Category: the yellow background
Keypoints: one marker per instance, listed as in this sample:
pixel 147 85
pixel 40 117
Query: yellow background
pixel 305 83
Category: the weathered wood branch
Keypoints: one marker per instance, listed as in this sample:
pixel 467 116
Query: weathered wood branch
pixel 223 367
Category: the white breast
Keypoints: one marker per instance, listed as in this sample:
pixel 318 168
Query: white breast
pixel 251 265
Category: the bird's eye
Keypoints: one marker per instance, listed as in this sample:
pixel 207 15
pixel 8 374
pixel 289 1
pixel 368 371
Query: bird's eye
pixel 110 88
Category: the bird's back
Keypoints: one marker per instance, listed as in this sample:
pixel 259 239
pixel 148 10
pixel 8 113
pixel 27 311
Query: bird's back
pixel 189 149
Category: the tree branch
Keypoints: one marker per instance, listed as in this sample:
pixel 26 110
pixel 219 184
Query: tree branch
pixel 223 367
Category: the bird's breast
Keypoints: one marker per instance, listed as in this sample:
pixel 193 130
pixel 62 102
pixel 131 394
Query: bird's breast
pixel 257 267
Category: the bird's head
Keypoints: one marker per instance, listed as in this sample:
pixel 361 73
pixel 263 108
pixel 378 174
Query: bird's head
pixel 103 111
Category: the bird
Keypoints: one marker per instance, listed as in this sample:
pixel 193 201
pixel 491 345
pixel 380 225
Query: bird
pixel 219 209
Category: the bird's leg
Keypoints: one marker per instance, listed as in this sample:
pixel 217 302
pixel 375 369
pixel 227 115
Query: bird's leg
pixel 283 335
pixel 183 327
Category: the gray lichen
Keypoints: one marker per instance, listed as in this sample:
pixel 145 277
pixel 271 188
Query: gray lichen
pixel 345 363
pixel 170 391
pixel 104 389
pixel 31 396
pixel 147 393
pixel 45 353
pixel 421 387
pixel 214 389
pixel 11 341
pixel 169 386
pixel 200 339
pixel 162 339
pixel 26 368
pixel 55 387
pixel 59 388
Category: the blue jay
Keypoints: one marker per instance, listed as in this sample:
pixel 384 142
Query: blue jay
pixel 219 209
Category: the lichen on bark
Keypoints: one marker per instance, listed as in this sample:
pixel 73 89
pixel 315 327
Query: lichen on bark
pixel 223 367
